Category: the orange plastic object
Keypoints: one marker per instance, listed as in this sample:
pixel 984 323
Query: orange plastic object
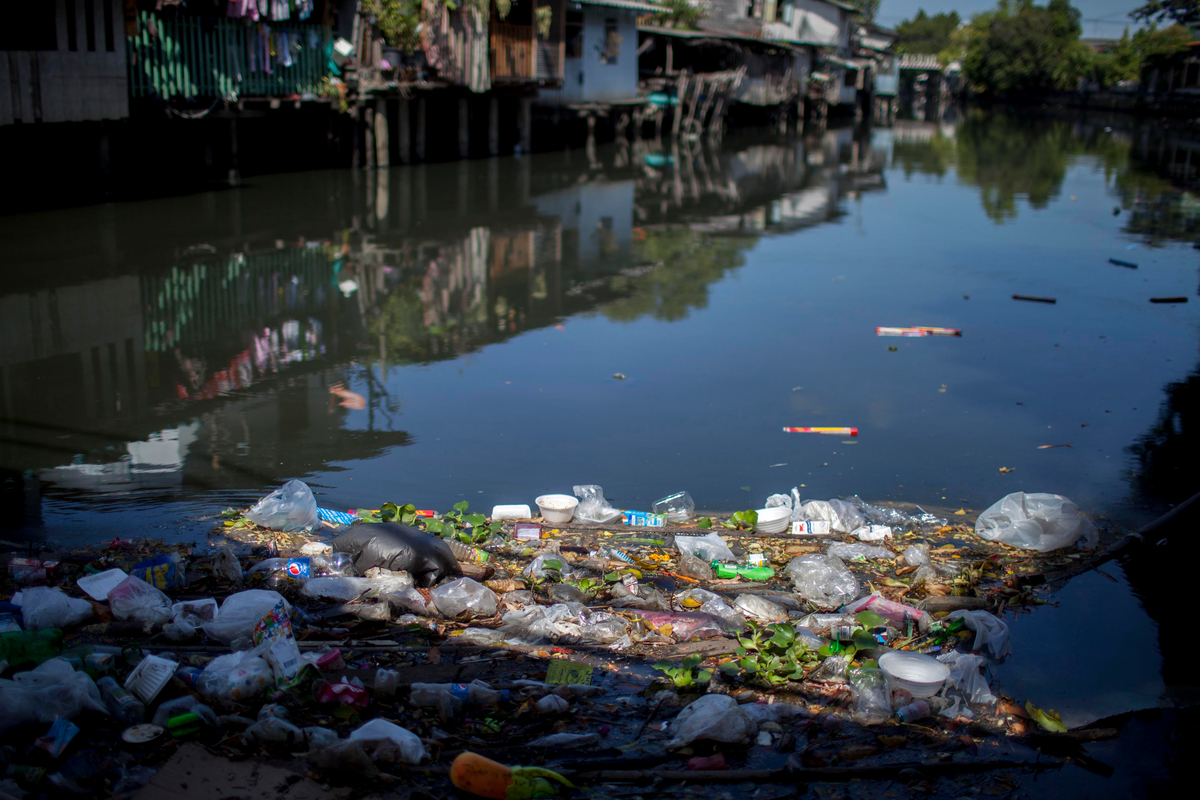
pixel 481 776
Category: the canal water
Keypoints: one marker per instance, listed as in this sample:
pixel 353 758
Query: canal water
pixel 647 318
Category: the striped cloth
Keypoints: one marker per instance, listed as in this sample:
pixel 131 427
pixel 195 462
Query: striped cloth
pixel 336 517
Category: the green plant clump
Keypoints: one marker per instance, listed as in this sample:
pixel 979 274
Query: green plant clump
pixel 684 673
pixel 772 653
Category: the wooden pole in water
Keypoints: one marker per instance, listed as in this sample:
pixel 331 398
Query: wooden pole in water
pixel 680 98
pixel 404 139
pixel 464 127
pixel 420 129
pixel 383 140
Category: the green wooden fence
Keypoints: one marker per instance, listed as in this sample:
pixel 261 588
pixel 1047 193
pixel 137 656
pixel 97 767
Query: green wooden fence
pixel 189 58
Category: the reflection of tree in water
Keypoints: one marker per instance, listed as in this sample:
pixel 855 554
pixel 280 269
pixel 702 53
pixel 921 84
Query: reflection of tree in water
pixel 1012 156
pixel 1165 454
pixel 690 262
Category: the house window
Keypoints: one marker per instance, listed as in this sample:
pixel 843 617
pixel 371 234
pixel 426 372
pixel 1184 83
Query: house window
pixel 574 33
pixel 749 8
pixel 611 50
pixel 849 78
pixel 787 14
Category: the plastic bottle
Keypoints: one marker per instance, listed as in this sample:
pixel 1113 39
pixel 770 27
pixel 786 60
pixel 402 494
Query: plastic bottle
pixel 30 647
pixel 386 683
pixel 474 774
pixel 613 554
pixel 475 693
pixel 917 709
pixel 468 554
pixel 749 573
pixel 121 704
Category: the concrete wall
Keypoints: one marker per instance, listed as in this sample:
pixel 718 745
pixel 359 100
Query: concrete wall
pixel 589 79
pixel 69 84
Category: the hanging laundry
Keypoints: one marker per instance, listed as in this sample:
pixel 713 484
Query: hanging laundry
pixel 304 9
pixel 242 9
pixel 280 10
pixel 314 39
pixel 283 50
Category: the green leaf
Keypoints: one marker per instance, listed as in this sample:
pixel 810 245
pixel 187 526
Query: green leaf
pixel 461 506
pixel 704 676
pixel 745 519
pixel 869 619
pixel 692 661
pixel 704 523
pixel 731 668
pixel 434 526
pixel 474 519
pixel 843 649
pixel 863 640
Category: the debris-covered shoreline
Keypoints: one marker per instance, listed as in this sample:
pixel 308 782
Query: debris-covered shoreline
pixel 611 654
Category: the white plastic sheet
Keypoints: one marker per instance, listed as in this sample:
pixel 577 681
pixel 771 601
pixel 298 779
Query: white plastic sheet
pixel 714 718
pixel 991 632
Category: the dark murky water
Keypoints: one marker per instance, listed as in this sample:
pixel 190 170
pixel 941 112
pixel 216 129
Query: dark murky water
pixel 451 332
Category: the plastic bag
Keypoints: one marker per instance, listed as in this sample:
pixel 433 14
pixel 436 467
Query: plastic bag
pixel 898 614
pixel 235 677
pixel 537 624
pixel 464 596
pixel 603 628
pixel 885 515
pixel 708 548
pixel 408 599
pixel 692 567
pixel 592 505
pixel 195 612
pixel 843 517
pixel 344 590
pixel 135 599
pixel 52 689
pixel 714 718
pixel 991 632
pixel 43 607
pixel 849 552
pixel 871 704
pixel 551 564
pixel 241 612
pixel 398 547
pixel 832 670
pixel 822 579
pixel 290 508
pixel 1041 522
pixel 387 742
pixel 686 626
pixel 966 674
pixel 917 555
pixel 872 533
pixel 760 609
pixel 226 565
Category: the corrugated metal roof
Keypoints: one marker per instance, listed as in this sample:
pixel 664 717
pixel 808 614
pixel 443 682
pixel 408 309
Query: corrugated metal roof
pixel 629 5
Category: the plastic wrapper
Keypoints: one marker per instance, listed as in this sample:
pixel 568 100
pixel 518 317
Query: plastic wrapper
pixel 195 612
pixel 643 596
pixel 464 597
pixel 408 599
pixel 226 564
pixel 685 626
pixel 822 580
pixel 43 607
pixel 871 704
pixel 602 627
pixel 52 689
pixel 235 677
pixel 274 730
pixel 916 555
pixel 398 547
pixel 347 692
pixel 552 564
pixel 135 599
pixel 536 624
pixel 592 505
pixel 991 632
pixel 290 508
pixel 239 614
pixel 1041 522
pixel 848 552
pixel 344 590
pixel 712 718
pixel 842 516
pixel 388 743
pixel 822 624
pixel 760 609
pixel 872 533
pixel 708 548
pixel 692 567
pixel 966 675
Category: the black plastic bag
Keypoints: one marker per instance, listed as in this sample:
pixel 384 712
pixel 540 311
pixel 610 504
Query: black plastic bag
pixel 398 547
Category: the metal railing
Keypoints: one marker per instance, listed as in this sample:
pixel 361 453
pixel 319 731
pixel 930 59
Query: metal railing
pixel 191 58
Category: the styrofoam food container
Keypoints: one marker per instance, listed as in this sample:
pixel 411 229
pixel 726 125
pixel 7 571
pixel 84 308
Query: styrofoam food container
pixel 919 674
pixel 773 520
pixel 512 512
pixel 557 508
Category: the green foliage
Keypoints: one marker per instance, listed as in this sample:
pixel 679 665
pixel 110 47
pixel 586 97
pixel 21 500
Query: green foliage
pixel 390 512
pixel 771 653
pixel 742 520
pixel 867 9
pixel 466 528
pixel 682 14
pixel 1033 49
pixel 1182 12
pixel 926 34
pixel 704 523
pixel 684 673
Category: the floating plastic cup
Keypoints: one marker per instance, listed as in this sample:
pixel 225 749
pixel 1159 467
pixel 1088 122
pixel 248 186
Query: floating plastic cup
pixel 678 507
pixel 557 508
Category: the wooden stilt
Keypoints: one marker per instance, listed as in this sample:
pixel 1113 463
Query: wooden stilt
pixel 464 128
pixel 420 129
pixel 403 133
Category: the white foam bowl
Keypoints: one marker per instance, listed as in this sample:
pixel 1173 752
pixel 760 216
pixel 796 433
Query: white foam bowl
pixel 919 674
pixel 773 520
pixel 557 508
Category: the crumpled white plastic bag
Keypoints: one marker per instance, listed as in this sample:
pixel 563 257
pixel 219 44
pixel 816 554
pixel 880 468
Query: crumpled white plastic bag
pixel 709 547
pixel 966 675
pixel 714 718
pixel 43 607
pixel 464 595
pixel 991 632
pixel 52 689
pixel 389 743
pixel 1037 521
pixel 824 580
pixel 291 508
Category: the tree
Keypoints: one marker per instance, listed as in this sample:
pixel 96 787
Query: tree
pixel 1034 49
pixel 1132 54
pixel 682 14
pixel 867 8
pixel 1183 12
pixel 926 34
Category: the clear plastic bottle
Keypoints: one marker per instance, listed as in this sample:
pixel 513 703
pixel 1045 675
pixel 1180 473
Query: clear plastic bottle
pixel 917 709
pixel 386 683
pixel 475 693
pixel 466 553
pixel 121 704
